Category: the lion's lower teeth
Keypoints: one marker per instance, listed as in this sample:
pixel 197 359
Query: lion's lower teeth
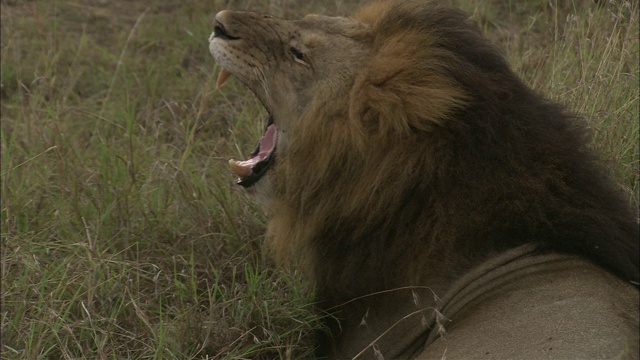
pixel 239 170
pixel 222 77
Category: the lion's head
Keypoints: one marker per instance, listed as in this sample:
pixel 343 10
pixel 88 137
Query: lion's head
pixel 402 150
pixel 290 66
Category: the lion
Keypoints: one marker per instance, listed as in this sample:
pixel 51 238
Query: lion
pixel 439 206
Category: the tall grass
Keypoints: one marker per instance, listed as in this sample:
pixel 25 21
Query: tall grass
pixel 123 235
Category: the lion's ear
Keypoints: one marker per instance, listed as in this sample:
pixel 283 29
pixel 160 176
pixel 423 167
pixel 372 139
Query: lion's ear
pixel 404 88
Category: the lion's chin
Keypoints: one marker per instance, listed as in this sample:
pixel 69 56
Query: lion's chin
pixel 260 160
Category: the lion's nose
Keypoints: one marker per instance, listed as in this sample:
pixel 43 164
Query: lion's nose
pixel 220 26
pixel 222 16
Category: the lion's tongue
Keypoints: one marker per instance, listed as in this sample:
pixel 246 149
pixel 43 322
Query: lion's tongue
pixel 267 144
pixel 239 170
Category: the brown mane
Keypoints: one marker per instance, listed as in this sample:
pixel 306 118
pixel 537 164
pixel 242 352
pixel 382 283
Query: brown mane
pixel 437 156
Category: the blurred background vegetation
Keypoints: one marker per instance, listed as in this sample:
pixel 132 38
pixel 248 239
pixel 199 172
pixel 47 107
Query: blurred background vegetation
pixel 123 234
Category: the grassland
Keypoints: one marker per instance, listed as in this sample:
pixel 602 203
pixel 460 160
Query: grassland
pixel 123 235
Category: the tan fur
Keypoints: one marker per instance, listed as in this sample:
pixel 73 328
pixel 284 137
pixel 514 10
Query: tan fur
pixel 409 153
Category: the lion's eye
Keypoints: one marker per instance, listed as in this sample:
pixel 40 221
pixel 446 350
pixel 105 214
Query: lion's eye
pixel 298 56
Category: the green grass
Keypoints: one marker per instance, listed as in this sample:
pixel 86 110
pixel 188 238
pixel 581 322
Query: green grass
pixel 123 235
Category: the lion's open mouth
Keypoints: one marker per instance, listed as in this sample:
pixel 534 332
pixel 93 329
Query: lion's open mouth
pixel 260 160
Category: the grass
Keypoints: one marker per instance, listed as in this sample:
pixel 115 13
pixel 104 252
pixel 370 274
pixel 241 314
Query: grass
pixel 123 235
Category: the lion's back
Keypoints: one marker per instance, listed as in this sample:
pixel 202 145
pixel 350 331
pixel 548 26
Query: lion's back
pixel 575 311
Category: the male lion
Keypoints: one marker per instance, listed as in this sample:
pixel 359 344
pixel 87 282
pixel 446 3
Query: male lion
pixel 439 206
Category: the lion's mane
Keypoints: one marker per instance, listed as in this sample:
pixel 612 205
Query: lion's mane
pixel 438 155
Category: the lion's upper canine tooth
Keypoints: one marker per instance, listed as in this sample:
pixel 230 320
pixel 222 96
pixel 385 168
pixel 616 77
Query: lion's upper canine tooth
pixel 240 170
pixel 222 77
